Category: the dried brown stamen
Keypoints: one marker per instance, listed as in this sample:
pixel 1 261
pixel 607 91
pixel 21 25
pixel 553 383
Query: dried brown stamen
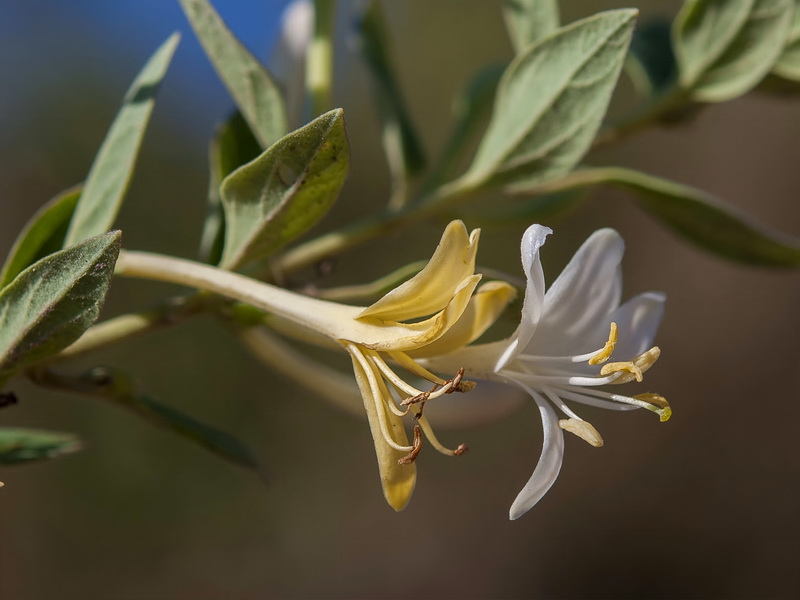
pixel 417 447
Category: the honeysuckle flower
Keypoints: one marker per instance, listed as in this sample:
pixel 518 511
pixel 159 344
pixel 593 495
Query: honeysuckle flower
pixel 563 348
pixel 437 311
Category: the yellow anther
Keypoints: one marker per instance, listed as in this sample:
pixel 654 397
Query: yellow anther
pixel 629 371
pixel 647 359
pixel 655 399
pixel 662 407
pixel 608 349
pixel 583 430
pixel 632 369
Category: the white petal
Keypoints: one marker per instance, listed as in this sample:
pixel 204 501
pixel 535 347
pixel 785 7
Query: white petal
pixel 638 320
pixel 532 241
pixel 585 292
pixel 549 463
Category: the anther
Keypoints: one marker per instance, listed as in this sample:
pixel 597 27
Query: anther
pixel 647 359
pixel 460 450
pixel 629 371
pixel 459 384
pixel 633 369
pixel 608 349
pixel 664 411
pixel 583 430
pixel 415 450
pixel 467 385
pixel 455 381
pixel 419 398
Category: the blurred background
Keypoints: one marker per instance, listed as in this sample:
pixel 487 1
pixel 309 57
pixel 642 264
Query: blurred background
pixel 704 506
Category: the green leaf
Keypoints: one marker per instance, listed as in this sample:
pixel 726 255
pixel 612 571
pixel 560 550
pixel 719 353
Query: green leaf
pixel 401 143
pixel 218 442
pixel 120 389
pixel 543 208
pixel 25 445
pixel 725 47
pixel 699 217
pixel 233 146
pixel 113 166
pixel 651 63
pixel 51 303
pixel 42 235
pixel 471 110
pixel 251 86
pixel 282 193
pixel 529 20
pixel 551 101
pixel 788 64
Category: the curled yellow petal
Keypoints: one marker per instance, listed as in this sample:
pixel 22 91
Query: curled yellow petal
pixel 383 336
pixel 430 290
pixel 397 480
pixel 485 306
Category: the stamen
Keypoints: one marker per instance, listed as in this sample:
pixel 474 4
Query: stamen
pixel 647 359
pixel 466 385
pixel 583 429
pixel 391 376
pixel 595 357
pixel 409 364
pixel 377 397
pixel 628 371
pixel 562 380
pixel 555 399
pixel 457 384
pixel 652 402
pixel 456 381
pixel 421 398
pixel 391 402
pixel 608 349
pixel 657 400
pixel 603 399
pixel 428 430
pixel 415 450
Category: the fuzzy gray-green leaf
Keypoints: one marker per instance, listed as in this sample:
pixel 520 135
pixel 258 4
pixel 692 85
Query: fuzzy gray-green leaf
pixel 24 445
pixel 401 143
pixel 122 390
pixel 788 63
pixel 725 47
pixel 282 193
pixel 42 235
pixel 699 217
pixel 530 20
pixel 233 146
pixel 51 303
pixel 251 86
pixel 113 166
pixel 651 62
pixel 552 100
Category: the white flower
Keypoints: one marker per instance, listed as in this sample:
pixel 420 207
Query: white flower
pixel 564 337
